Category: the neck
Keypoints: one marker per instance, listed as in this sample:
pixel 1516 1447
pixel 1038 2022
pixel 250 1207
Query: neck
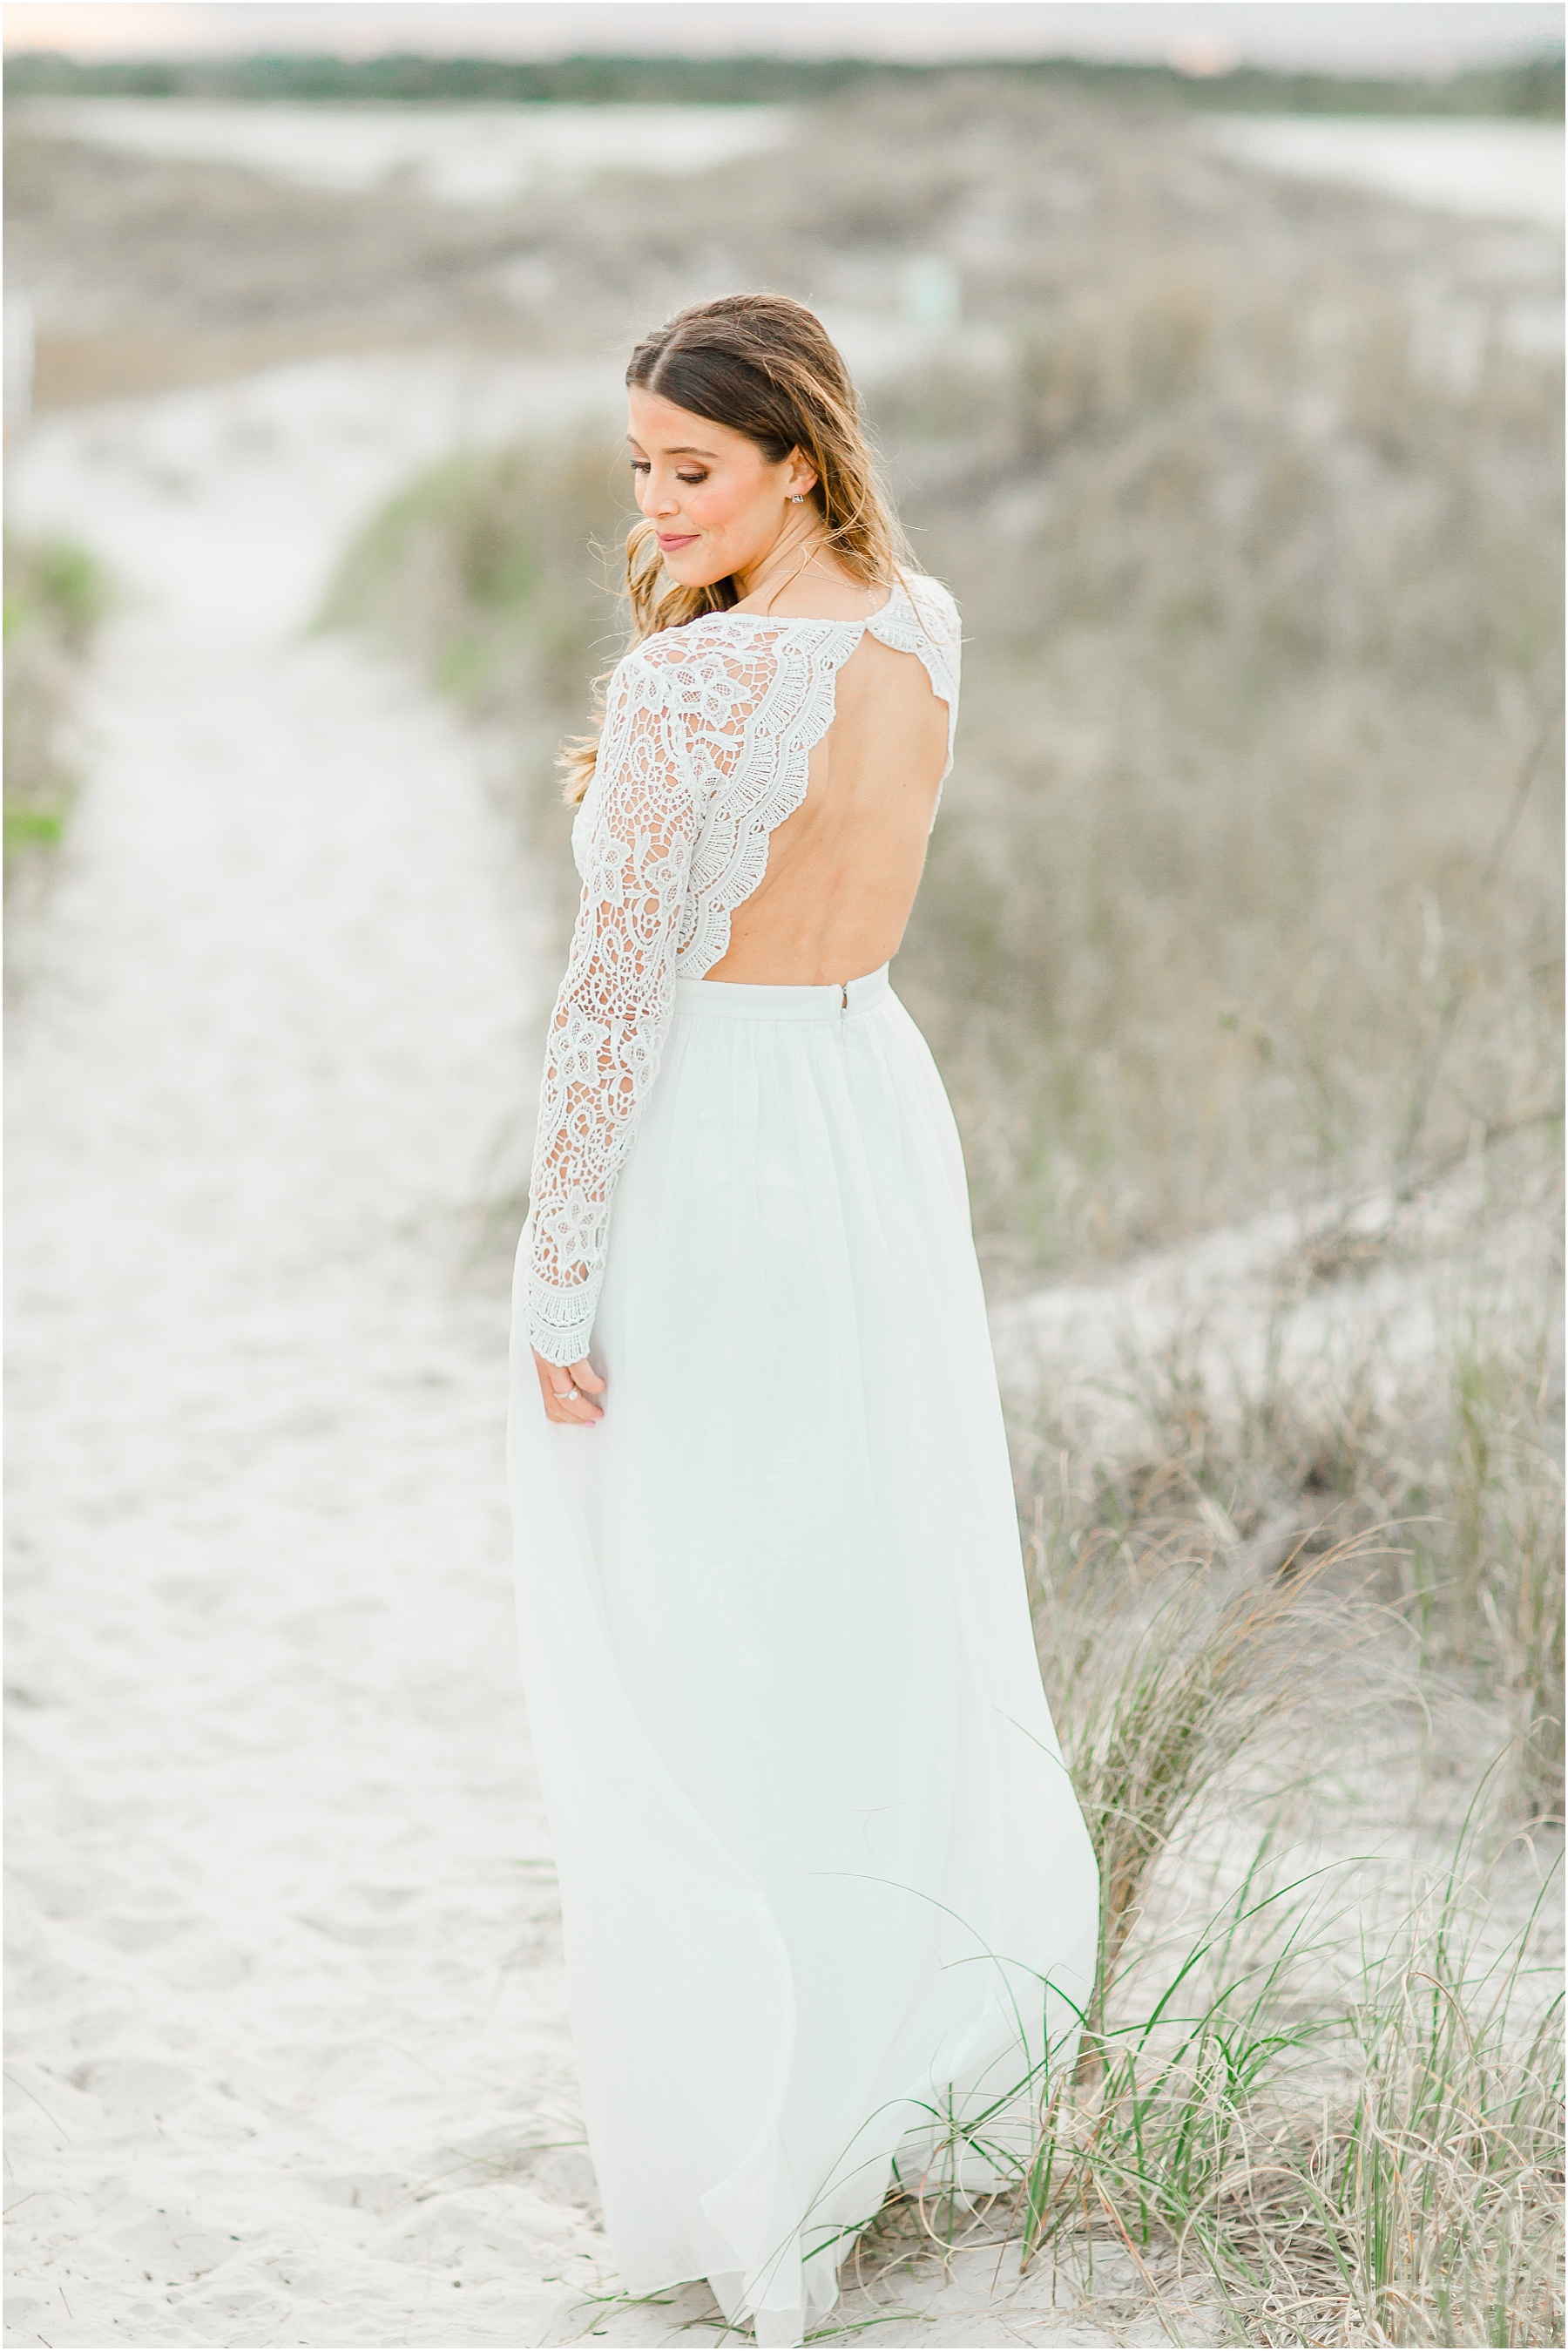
pixel 797 546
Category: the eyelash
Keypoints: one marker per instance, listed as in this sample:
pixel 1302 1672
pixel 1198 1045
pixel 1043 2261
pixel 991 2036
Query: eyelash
pixel 640 465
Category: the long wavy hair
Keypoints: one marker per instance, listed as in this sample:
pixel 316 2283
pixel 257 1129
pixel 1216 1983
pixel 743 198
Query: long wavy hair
pixel 766 367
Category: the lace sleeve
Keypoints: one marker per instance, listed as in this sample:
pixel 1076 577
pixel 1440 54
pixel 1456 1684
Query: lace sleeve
pixel 615 1002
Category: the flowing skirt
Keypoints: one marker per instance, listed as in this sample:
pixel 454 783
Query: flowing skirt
pixel 827 1893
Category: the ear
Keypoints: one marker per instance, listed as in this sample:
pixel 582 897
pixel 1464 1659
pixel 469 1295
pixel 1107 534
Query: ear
pixel 801 477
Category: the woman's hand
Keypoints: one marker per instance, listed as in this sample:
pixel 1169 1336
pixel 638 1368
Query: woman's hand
pixel 567 1390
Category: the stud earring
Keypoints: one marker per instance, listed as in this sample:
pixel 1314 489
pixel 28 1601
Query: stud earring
pixel 799 501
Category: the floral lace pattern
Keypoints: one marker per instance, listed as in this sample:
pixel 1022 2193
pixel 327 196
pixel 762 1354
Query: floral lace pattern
pixel 706 749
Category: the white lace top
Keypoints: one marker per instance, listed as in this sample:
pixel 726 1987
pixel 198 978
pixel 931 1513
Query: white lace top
pixel 706 742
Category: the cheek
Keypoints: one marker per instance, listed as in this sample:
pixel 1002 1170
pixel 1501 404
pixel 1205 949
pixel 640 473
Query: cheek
pixel 715 505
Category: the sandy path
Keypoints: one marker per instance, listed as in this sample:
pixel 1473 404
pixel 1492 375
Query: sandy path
pixel 286 1999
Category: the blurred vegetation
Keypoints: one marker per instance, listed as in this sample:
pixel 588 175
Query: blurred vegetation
pixel 493 571
pixel 56 596
pixel 1525 86
pixel 1245 885
pixel 1265 622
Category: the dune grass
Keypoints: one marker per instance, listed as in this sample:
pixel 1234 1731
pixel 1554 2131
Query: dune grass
pixel 56 595
pixel 1163 1677
pixel 1438 1498
pixel 1332 2110
pixel 1382 2165
pixel 1243 892
pixel 1306 2123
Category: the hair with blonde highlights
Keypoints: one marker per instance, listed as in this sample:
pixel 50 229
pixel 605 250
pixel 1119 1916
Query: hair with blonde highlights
pixel 766 367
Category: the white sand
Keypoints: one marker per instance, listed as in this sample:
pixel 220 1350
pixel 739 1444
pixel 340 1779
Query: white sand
pixel 286 1995
pixel 291 2063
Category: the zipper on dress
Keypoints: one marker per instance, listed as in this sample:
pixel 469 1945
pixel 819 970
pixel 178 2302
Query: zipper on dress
pixel 843 1004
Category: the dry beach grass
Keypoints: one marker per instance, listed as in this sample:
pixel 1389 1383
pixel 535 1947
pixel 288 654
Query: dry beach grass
pixel 1239 947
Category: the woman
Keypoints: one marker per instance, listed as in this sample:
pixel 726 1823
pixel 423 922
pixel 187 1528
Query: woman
pixel 827 1893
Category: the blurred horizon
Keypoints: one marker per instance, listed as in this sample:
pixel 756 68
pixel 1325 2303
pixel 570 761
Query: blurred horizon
pixel 1430 39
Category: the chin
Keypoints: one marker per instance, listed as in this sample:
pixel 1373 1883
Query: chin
pixel 689 569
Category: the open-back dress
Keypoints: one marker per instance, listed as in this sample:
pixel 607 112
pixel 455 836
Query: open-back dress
pixel 827 1893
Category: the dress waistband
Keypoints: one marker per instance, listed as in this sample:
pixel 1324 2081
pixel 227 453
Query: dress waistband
pixel 739 1000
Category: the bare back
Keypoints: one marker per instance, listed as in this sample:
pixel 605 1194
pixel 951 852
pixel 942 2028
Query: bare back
pixel 842 871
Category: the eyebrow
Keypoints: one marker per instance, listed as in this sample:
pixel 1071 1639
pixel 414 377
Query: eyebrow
pixel 684 449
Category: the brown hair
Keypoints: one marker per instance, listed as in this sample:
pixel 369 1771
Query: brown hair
pixel 766 367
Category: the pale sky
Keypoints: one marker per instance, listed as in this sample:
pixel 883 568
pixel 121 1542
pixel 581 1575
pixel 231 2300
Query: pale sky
pixel 1430 36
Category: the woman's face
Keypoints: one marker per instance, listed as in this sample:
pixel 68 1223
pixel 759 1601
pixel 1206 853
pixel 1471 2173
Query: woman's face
pixel 711 495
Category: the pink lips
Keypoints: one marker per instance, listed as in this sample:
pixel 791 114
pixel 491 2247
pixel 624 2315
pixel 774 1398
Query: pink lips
pixel 670 545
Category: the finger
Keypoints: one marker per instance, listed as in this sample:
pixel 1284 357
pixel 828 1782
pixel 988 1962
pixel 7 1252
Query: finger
pixel 564 1401
pixel 579 1409
pixel 582 1376
pixel 557 1381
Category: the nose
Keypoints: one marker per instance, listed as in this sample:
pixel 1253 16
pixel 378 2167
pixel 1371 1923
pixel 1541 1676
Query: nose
pixel 658 499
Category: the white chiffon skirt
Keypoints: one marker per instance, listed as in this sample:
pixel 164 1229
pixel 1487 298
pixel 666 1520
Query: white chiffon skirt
pixel 827 1893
